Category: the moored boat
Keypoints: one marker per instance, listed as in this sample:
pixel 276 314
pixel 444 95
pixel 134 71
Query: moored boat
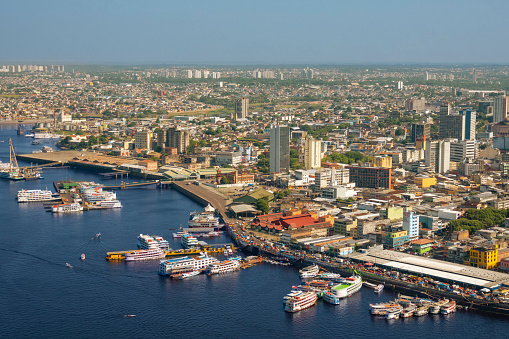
pixel 189 274
pixel 309 271
pixel 408 311
pixel 420 311
pixel 393 313
pixel 300 302
pixel 383 308
pixel 67 208
pixel 153 253
pixel 223 267
pixel 379 288
pixel 448 307
pixel 435 307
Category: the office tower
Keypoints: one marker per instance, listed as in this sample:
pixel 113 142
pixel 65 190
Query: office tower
pixel 370 177
pixel 470 121
pixel 411 224
pixel 189 74
pixel 399 85
pixel 451 125
pixel 500 108
pixel 418 105
pixel 437 156
pixel 280 149
pixel 312 153
pixel 462 150
pixel 241 108
pixel 178 139
pixel 420 131
pixel 143 140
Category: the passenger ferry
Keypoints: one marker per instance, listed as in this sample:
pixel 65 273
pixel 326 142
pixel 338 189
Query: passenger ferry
pixel 188 241
pixel 435 307
pixel 292 294
pixel 35 196
pixel 383 308
pixel 110 204
pixel 393 313
pixel 330 276
pixel 205 219
pixel 420 311
pixel 408 311
pixel 186 264
pixel 345 289
pixel 223 267
pixel 153 253
pixel 310 271
pixel 448 307
pixel 300 302
pixel 67 208
pixel 146 242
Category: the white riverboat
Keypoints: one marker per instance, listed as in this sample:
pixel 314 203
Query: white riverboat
pixel 67 208
pixel 300 302
pixel 309 271
pixel 223 267
pixel 346 288
pixel 146 242
pixel 189 274
pixel 188 241
pixel 153 253
pixel 110 204
pixel 35 196
pixel 186 264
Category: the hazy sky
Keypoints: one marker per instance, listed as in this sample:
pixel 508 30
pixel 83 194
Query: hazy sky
pixel 261 31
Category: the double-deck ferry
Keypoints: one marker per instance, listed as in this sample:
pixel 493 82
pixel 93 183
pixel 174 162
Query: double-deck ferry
pixel 67 208
pixel 448 307
pixel 153 253
pixel 300 302
pixel 188 241
pixel 393 313
pixel 309 271
pixel 223 267
pixel 35 196
pixel 146 242
pixel 186 264
pixel 436 306
pixel 383 308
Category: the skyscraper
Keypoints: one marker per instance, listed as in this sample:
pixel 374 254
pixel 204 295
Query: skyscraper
pixel 312 153
pixel 420 131
pixel 452 125
pixel 241 108
pixel 280 149
pixel 500 108
pixel 178 139
pixel 437 155
pixel 470 121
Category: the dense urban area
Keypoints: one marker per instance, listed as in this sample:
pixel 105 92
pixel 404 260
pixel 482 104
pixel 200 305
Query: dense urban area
pixel 327 160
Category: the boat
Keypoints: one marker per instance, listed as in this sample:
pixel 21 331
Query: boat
pixel 379 288
pixel 82 256
pixel 186 264
pixel 421 310
pixel 188 241
pixel 383 308
pixel 293 293
pixel 146 242
pixel 35 196
pixel 223 267
pixel 153 253
pixel 393 313
pixel 189 274
pixel 329 276
pixel 29 135
pixel 448 307
pixel 205 219
pixel 346 288
pixel 408 311
pixel 11 174
pixel 67 208
pixel 435 307
pixel 300 302
pixel 110 204
pixel 179 234
pixel 309 271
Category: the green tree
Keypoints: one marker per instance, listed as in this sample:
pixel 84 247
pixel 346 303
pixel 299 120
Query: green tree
pixel 224 181
pixel 263 205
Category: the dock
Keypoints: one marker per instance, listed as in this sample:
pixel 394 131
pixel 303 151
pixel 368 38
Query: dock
pixel 120 255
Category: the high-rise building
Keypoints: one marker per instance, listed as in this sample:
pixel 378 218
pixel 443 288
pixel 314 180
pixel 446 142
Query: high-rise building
pixel 420 131
pixel 205 74
pixel 312 153
pixel 178 139
pixel 197 74
pixel 241 108
pixel 437 155
pixel 451 125
pixel 308 73
pixel 399 85
pixel 462 150
pixel 189 74
pixel 500 108
pixel 384 161
pixel 280 149
pixel 411 224
pixel 371 177
pixel 143 140
pixel 418 105
pixel 470 121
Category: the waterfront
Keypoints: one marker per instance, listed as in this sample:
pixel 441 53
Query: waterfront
pixel 42 297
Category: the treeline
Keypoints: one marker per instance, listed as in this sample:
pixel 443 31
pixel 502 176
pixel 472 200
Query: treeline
pixel 475 219
pixel 349 157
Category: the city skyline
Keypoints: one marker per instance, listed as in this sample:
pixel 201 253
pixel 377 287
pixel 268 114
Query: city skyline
pixel 255 33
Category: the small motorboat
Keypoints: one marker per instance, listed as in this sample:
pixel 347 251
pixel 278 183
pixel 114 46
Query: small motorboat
pixel 379 288
pixel 82 256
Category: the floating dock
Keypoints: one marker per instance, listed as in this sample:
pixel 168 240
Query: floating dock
pixel 120 255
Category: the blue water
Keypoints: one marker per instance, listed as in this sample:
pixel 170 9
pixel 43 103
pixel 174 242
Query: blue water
pixel 41 297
